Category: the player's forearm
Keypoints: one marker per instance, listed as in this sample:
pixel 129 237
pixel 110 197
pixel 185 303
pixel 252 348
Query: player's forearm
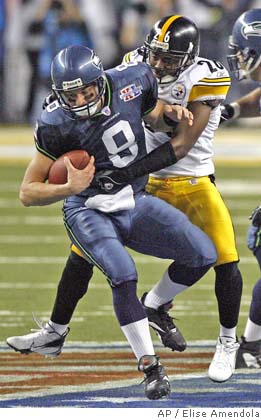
pixel 166 117
pixel 159 158
pixel 248 105
pixel 163 123
pixel 41 194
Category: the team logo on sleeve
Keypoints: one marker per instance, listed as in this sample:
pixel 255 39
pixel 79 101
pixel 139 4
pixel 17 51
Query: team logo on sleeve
pixel 128 93
pixel 179 91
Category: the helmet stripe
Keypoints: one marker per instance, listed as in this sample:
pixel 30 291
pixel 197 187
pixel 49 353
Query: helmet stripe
pixel 166 26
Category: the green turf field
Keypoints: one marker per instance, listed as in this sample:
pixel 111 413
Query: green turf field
pixel 34 246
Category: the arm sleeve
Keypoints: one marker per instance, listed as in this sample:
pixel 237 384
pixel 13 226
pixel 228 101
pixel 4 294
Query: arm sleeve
pixel 159 158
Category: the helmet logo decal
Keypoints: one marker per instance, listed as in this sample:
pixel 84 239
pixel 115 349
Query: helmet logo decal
pixel 128 93
pixel 251 29
pixel 96 61
pixel 166 26
pixel 72 84
pixel 179 91
pixel 158 44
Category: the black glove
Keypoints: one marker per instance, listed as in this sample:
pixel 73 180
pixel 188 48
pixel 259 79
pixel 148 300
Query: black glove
pixel 227 112
pixel 256 217
pixel 107 181
pixel 48 100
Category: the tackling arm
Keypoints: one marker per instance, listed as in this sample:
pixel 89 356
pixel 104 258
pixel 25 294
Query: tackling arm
pixel 164 116
pixel 165 155
pixel 245 107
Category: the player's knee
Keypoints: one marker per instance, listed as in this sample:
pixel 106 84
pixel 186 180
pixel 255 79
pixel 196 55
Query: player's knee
pixel 227 271
pixel 80 262
pixel 185 275
pixel 127 306
pixel 228 277
pixel 256 293
pixel 81 273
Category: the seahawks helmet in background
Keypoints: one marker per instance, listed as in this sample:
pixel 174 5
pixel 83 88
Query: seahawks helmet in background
pixel 244 49
pixel 175 39
pixel 73 68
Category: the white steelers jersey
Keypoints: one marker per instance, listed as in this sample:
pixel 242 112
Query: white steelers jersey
pixel 203 80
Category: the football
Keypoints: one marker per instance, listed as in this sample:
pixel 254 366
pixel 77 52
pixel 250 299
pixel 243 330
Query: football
pixel 58 171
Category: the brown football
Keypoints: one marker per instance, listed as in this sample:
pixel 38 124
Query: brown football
pixel 58 171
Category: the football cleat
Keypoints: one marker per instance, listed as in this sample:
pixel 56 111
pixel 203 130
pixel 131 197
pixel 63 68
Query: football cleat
pixel 223 363
pixel 249 354
pixel 155 378
pixel 162 323
pixel 45 341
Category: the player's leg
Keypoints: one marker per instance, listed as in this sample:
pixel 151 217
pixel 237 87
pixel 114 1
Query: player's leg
pixel 215 220
pixel 249 354
pixel 72 287
pixel 165 232
pixel 200 200
pixel 49 339
pixel 104 247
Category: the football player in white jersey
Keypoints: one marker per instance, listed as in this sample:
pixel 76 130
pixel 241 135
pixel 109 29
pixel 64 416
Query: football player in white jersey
pixel 245 62
pixel 201 85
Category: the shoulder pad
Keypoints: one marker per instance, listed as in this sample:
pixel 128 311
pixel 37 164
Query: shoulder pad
pixel 53 114
pixel 133 56
pixel 210 79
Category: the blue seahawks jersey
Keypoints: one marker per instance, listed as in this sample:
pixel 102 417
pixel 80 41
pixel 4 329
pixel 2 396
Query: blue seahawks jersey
pixel 115 136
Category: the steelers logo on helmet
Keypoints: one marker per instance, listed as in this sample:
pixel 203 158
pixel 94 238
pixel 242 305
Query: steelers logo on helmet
pixel 171 46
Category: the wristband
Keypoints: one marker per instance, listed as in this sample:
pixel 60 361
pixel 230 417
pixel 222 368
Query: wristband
pixel 236 107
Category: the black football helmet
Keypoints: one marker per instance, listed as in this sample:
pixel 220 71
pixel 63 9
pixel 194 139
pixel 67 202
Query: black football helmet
pixel 244 48
pixel 76 67
pixel 175 39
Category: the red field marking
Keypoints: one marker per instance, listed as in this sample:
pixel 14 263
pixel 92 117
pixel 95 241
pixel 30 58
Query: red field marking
pixel 33 373
pixel 103 355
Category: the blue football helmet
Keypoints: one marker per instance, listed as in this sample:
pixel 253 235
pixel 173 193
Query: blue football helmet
pixel 73 68
pixel 244 49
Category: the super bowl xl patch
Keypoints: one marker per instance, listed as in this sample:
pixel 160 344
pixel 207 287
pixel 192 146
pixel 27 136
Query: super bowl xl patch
pixel 128 93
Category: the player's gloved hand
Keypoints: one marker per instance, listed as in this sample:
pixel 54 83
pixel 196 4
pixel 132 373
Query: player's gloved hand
pixel 107 181
pixel 48 100
pixel 253 238
pixel 256 217
pixel 254 230
pixel 227 113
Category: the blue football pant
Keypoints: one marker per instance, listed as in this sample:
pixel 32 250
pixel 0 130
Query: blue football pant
pixel 153 228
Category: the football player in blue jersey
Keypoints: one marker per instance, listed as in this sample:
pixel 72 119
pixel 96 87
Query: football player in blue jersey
pixel 101 112
pixel 244 58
